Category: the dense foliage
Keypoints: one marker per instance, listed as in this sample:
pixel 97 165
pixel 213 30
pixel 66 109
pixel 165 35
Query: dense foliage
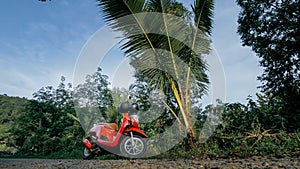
pixel 10 108
pixel 47 126
pixel 254 129
pixel 272 30
pixel 92 100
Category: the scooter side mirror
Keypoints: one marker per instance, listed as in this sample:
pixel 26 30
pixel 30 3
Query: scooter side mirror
pixel 124 107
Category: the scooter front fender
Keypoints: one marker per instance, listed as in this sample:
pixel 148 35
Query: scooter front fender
pixel 136 131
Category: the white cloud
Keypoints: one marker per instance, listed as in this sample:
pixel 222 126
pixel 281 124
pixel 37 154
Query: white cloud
pixel 44 27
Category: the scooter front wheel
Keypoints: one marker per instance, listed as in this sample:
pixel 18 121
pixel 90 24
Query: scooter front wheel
pixel 134 147
pixel 87 154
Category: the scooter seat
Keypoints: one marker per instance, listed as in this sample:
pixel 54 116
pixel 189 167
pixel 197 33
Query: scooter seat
pixel 112 126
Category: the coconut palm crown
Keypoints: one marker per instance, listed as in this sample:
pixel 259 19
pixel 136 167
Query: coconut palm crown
pixel 166 44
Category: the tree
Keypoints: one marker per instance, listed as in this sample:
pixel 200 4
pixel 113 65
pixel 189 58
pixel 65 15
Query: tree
pixel 272 30
pixel 93 99
pixel 140 90
pixel 165 61
pixel 47 125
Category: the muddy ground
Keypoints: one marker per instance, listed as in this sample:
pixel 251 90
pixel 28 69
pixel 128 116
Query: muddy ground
pixel 253 162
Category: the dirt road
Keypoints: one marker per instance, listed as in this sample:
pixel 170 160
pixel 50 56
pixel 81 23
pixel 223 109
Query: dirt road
pixel 253 162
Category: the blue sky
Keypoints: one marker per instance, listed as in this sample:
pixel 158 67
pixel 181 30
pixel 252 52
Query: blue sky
pixel 40 42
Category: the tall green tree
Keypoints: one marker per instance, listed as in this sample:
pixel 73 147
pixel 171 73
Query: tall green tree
pixel 140 90
pixel 47 125
pixel 271 28
pixel 155 43
pixel 119 95
pixel 93 99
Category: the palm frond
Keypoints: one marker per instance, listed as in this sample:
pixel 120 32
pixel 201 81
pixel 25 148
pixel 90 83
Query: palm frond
pixel 165 48
pixel 121 16
pixel 115 9
pixel 154 6
pixel 203 13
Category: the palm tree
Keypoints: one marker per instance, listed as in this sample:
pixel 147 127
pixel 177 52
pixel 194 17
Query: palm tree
pixel 165 42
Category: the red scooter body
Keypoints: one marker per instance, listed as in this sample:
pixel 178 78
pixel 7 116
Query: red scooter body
pixel 106 137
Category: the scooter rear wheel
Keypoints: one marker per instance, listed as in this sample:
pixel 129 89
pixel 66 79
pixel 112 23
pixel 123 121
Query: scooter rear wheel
pixel 87 154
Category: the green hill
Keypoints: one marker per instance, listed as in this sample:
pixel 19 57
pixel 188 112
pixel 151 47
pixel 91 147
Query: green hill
pixel 10 109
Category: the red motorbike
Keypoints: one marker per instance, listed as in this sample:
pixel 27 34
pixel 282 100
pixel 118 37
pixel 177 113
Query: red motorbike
pixel 128 141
